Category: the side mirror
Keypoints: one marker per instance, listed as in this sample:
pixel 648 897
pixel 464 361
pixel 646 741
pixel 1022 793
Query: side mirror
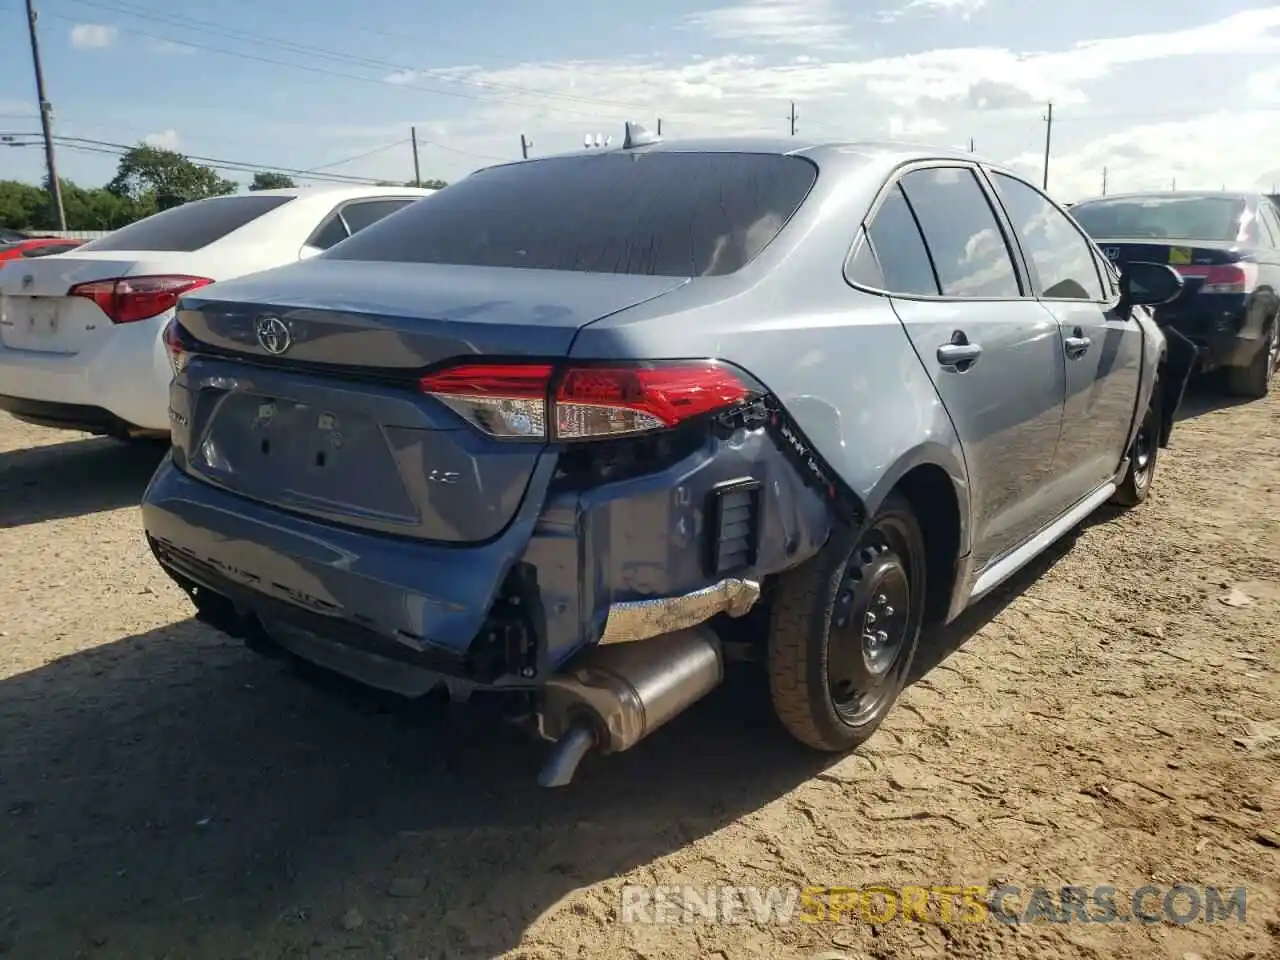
pixel 1149 284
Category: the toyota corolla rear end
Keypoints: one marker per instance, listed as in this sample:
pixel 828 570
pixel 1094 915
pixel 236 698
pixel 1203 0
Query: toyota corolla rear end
pixel 390 467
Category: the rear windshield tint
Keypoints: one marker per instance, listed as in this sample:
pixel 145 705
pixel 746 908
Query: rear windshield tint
pixel 659 214
pixel 190 226
pixel 1163 218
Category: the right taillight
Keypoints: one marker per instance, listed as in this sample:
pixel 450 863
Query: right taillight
pixel 1222 278
pixel 535 400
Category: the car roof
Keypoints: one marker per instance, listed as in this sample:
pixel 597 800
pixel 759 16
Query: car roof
pixel 338 191
pixel 1248 197
pixel 816 148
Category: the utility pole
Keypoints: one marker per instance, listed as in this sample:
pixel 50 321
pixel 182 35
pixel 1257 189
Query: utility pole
pixel 1104 181
pixel 417 173
pixel 1173 185
pixel 659 126
pixel 1048 137
pixel 55 187
pixel 971 144
pixel 524 146
pixel 793 118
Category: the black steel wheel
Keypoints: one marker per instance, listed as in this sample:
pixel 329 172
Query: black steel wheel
pixel 1143 453
pixel 844 630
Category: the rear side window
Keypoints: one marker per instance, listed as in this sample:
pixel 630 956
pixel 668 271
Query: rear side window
pixel 899 248
pixel 1062 258
pixel 367 213
pixel 968 248
pixel 333 231
pixel 190 226
pixel 659 214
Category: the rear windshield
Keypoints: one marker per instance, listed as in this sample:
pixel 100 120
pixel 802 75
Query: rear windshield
pixel 660 214
pixel 1162 218
pixel 190 226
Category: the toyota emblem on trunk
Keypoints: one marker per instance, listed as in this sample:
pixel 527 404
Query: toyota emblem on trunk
pixel 273 334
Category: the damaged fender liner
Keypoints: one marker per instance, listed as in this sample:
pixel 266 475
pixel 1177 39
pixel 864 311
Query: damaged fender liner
pixel 847 506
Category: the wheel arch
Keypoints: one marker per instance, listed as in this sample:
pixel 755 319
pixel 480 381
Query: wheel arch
pixel 934 482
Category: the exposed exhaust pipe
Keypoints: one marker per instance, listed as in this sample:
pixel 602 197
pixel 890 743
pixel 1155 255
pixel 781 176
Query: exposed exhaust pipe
pixel 615 695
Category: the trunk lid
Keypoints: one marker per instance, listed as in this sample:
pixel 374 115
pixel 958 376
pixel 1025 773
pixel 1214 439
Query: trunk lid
pixel 332 426
pixel 1184 256
pixel 37 316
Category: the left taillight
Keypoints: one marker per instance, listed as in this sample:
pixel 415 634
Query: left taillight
pixel 537 400
pixel 174 346
pixel 130 299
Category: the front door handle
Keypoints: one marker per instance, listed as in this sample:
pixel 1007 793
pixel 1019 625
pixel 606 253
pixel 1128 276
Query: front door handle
pixel 1077 344
pixel 959 355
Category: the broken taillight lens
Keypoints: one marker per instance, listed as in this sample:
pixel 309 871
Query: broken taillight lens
pixel 589 401
pixel 174 347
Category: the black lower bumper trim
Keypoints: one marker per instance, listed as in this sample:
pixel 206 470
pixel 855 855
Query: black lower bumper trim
pixel 67 416
pixel 240 612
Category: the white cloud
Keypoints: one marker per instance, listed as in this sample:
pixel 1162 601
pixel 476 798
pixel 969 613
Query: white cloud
pixel 962 8
pixel 808 23
pixel 168 140
pixel 1154 156
pixel 910 128
pixel 17 108
pixel 170 48
pixel 1127 121
pixel 400 77
pixel 92 36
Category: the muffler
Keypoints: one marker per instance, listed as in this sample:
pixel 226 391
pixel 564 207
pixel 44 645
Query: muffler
pixel 613 696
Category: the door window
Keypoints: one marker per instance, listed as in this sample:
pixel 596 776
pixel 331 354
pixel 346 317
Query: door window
pixel 1061 258
pixel 967 246
pixel 899 252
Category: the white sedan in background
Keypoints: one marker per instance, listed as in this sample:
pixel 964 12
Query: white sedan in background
pixel 80 332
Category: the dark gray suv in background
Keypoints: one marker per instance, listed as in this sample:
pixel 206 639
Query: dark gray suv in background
pixel 569 427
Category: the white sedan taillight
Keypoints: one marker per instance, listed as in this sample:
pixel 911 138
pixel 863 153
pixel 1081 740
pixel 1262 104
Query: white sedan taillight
pixel 129 299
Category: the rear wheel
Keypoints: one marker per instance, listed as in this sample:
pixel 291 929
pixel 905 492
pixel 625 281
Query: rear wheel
pixel 1143 454
pixel 1254 381
pixel 844 631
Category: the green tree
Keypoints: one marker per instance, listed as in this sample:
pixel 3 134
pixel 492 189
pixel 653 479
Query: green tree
pixel 24 206
pixel 271 181
pixel 165 177
pixel 96 208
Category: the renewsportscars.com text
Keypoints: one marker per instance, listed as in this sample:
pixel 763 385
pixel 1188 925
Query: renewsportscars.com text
pixel 1179 904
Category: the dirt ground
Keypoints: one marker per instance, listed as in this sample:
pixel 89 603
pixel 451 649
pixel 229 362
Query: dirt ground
pixel 1113 717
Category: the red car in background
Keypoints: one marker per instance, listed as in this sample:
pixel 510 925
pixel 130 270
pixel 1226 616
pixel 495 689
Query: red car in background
pixel 36 247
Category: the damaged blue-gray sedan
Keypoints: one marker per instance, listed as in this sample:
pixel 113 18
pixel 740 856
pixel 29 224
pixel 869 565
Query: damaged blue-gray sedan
pixel 572 428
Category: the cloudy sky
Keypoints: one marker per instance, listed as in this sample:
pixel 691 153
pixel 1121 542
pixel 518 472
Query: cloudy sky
pixel 1154 91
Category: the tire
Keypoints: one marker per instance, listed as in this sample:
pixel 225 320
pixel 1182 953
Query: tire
pixel 1254 381
pixel 1142 457
pixel 827 605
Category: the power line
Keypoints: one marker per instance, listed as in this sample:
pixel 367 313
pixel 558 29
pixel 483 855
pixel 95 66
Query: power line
pixel 240 166
pixel 358 156
pixel 325 53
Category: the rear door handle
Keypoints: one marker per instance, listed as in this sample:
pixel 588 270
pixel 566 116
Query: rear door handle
pixel 959 354
pixel 1078 344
